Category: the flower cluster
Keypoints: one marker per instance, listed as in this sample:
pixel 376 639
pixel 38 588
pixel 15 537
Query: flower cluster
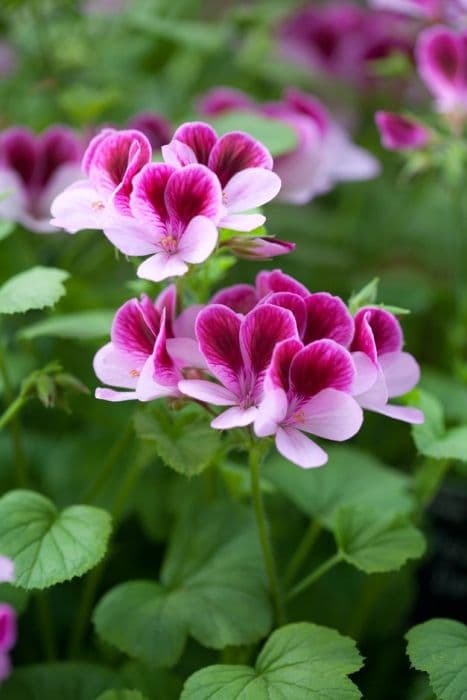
pixel 324 154
pixel 275 356
pixel 170 211
pixel 7 621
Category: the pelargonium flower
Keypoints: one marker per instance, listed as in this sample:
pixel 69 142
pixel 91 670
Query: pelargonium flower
pixel 242 164
pixel 8 634
pixel 110 162
pixel 7 570
pixel 379 337
pixel 442 64
pixel 428 10
pixel 260 248
pixel 342 39
pixel 324 154
pixel 318 315
pixel 149 346
pixel 33 170
pixel 175 213
pixel 307 390
pixel 154 126
pixel 238 352
pixel 399 133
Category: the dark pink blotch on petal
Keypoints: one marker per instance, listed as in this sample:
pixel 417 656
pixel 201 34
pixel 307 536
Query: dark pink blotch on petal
pixel 154 126
pixel 57 146
pixel 235 152
pixel 19 152
pixel 131 331
pixel 399 133
pixel 376 332
pixel 217 330
pixel 279 370
pixel 198 136
pixel 224 99
pixel 147 200
pixel 328 317
pixel 239 297
pixel 278 281
pixel 293 302
pixel 323 364
pixel 192 191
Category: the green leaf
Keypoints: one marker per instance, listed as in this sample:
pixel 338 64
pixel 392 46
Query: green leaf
pixel 212 587
pixel 6 228
pixel 33 289
pixel 449 391
pixel 432 438
pixel 59 681
pixel 150 681
pixel 49 546
pixel 351 477
pixel 439 647
pixel 367 296
pixel 277 136
pixel 375 542
pixel 81 325
pixel 298 662
pixel 121 694
pixel 183 440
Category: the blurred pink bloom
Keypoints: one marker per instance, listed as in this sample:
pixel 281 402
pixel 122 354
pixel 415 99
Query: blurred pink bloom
pixel 429 10
pixel 154 126
pixel 8 634
pixel 111 161
pixel 318 315
pixel 442 64
pixel 7 60
pixel 399 133
pixel 242 164
pixel 377 349
pixel 7 570
pixel 324 154
pixel 258 248
pixel 175 216
pixel 238 352
pixel 149 346
pixel 307 390
pixel 33 170
pixel 342 38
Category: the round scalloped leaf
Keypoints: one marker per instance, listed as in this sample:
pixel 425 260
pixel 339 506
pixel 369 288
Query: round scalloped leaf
pixel 36 288
pixel 59 681
pixel 49 546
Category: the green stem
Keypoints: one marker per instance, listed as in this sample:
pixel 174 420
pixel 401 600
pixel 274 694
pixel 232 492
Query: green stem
pixel 13 409
pixel 93 580
pixel 108 464
pixel 315 575
pixel 304 548
pixel 264 536
pixel 45 621
pixel 11 414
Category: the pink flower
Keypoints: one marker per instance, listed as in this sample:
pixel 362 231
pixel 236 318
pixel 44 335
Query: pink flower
pixel 154 126
pixel 318 315
pixel 324 154
pixel 242 164
pixel 378 338
pixel 399 133
pixel 341 39
pixel 8 634
pixel 111 161
pixel 428 10
pixel 175 215
pixel 307 390
pixel 237 352
pixel 7 570
pixel 33 170
pixel 442 64
pixel 258 248
pixel 148 349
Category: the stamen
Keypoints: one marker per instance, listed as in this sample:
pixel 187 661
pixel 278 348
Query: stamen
pixel 134 373
pixel 169 244
pixel 98 205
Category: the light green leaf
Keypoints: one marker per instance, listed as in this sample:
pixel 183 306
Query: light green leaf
pixel 212 587
pixel 439 647
pixel 432 438
pixel 375 542
pixel 121 694
pixel 301 661
pixel 6 228
pixel 276 135
pixel 451 393
pixel 59 681
pixel 33 289
pixel 81 325
pixel 351 477
pixel 183 440
pixel 366 296
pixel 49 546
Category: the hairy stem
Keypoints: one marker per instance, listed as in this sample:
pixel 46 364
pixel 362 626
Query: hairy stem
pixel 11 416
pixel 315 575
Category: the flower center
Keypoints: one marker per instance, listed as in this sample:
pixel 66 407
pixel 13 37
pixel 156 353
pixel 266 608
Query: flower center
pixel 134 373
pixel 98 205
pixel 169 244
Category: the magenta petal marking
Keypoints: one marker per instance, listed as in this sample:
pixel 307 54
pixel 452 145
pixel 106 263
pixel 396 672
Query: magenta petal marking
pixel 239 297
pixel 376 332
pixel 278 281
pixel 217 330
pixel 328 317
pixel 130 331
pixel 147 200
pixel 19 152
pixel 279 371
pixel 399 133
pixel 200 137
pixel 292 302
pixel 324 364
pixel 235 152
pixel 192 191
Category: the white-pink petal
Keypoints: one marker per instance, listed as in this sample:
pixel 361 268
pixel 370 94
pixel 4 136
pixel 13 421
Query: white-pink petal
pixel 242 222
pixel 147 389
pixel 128 235
pixel 208 392
pixel 185 352
pixel 401 372
pixel 404 413
pixel 250 188
pixel 7 570
pixel 78 207
pixel 198 241
pixel 366 373
pixel 331 414
pixel 116 396
pixel 271 411
pixel 161 266
pixel 117 368
pixel 235 417
pixel 299 449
